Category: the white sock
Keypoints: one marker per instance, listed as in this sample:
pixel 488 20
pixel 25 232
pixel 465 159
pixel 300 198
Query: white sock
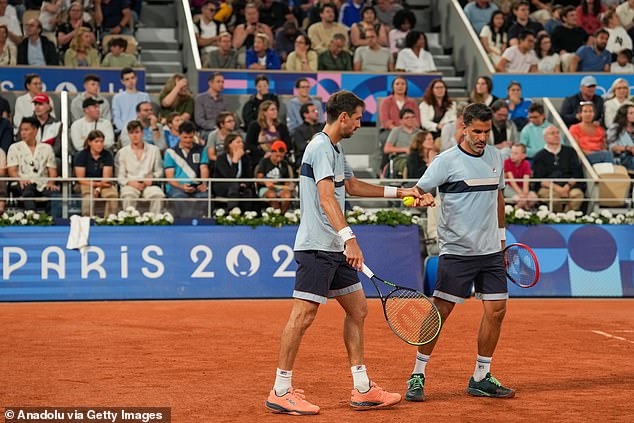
pixel 421 363
pixel 283 380
pixel 360 378
pixel 483 366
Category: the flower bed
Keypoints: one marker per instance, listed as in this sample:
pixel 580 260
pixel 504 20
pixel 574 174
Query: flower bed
pixel 544 216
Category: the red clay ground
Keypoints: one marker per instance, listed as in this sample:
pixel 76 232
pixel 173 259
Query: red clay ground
pixel 214 361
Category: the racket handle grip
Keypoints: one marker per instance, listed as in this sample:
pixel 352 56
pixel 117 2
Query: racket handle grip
pixel 366 271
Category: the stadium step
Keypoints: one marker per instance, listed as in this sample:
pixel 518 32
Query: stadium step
pixel 443 60
pixel 155 78
pixel 445 70
pixel 159 14
pixel 150 55
pixel 163 66
pixel 157 38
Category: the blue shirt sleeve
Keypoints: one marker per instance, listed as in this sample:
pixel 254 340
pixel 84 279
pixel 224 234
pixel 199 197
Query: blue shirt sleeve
pixel 168 161
pixel 323 163
pixel 435 175
pixel 203 157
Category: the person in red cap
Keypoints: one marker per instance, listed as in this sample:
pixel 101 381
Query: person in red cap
pixel 24 103
pixel 275 167
pixel 50 130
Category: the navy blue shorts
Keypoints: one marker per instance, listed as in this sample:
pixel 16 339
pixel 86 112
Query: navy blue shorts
pixel 456 275
pixel 323 274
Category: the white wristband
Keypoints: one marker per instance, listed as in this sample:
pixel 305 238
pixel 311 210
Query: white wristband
pixel 390 192
pixel 346 234
pixel 502 232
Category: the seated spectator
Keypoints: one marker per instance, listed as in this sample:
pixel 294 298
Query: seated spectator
pixel 518 105
pixel 373 57
pixel 170 129
pixel 24 104
pixel 9 18
pixel 517 172
pixel 422 151
pixel 293 116
pixel 91 86
pixel 568 37
pixel 114 16
pixel 558 161
pixel 152 131
pixel 262 132
pixel 589 15
pixel 285 39
pixel 210 103
pixel 351 12
pixel 532 135
pixel 321 33
pixel 91 121
pixel 67 29
pixel 437 108
pixel 36 49
pixel 136 165
pixel 391 106
pixel 483 91
pixel 368 21
pixel 234 164
pixel 452 133
pixel 623 63
pixel 93 161
pixel 244 34
pixel 479 13
pixel 3 184
pixel 8 52
pixel 81 53
pixel 570 105
pixel 50 129
pixel 251 108
pixel 549 61
pixel 275 167
pixel 399 141
pixel 29 161
pixel 404 21
pixel 226 124
pixel 124 103
pixel 618 36
pixel 590 137
pixel 5 108
pixel 625 12
pixel 335 58
pixel 207 29
pixel 302 135
pixel 6 134
pixel 555 19
pixel 117 56
pixel 503 131
pixel 521 10
pixel 521 57
pixel 493 37
pixel 593 58
pixel 617 96
pixel 49 13
pixel 177 97
pixel 261 56
pixel 275 14
pixel 303 58
pixel 415 58
pixel 620 137
pixel 386 10
pixel 225 56
pixel 184 162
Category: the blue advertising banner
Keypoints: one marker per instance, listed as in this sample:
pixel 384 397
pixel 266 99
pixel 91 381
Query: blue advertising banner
pixel 57 78
pixel 179 262
pixel 554 85
pixel 369 87
pixel 574 260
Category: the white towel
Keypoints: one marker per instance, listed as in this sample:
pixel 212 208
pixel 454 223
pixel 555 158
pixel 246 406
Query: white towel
pixel 79 231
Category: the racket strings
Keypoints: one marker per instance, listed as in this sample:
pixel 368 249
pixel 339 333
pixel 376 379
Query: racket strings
pixel 521 267
pixel 412 316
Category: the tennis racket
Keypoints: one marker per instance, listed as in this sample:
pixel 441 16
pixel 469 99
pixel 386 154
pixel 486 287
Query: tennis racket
pixel 521 263
pixel 409 313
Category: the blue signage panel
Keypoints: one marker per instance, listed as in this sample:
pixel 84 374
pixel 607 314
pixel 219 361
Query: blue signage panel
pixel 178 262
pixel 555 85
pixel 57 78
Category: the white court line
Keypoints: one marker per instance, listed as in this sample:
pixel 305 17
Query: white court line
pixel 607 335
pixel 623 330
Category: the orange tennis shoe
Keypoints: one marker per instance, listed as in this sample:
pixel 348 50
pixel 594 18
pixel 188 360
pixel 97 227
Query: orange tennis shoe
pixel 376 397
pixel 292 402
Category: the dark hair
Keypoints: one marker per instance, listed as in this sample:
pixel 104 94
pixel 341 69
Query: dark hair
pixel 517 5
pixel 417 143
pixel 596 8
pixel 299 81
pixel 627 53
pixel 566 10
pixel 524 34
pixel 138 106
pixel 497 35
pixel 133 124
pixel 585 103
pixel 342 102
pixel 126 71
pixel 538 47
pixel 93 135
pixel 213 76
pixel 476 111
pixel 513 83
pixel 412 37
pixel 118 42
pixel 621 118
pixel 308 41
pixel 170 118
pixel 262 77
pixel 430 99
pixel 92 77
pixel 498 105
pixel 479 98
pixel 28 78
pixel 31 120
pixel 304 109
pixel 365 9
pixel 601 31
pixel 405 111
pixel 536 108
pixel 397 78
pixel 229 139
pixel 186 128
pixel 607 16
pixel 220 119
pixel 403 15
pixel 326 5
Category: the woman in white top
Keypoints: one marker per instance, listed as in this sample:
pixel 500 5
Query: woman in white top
pixel 415 58
pixel 436 109
pixel 549 61
pixel 8 52
pixel 493 37
pixel 618 95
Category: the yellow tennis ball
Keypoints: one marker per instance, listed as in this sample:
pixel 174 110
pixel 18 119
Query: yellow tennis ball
pixel 408 201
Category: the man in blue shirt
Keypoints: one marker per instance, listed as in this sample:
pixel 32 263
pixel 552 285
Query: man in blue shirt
pixel 532 135
pixel 593 59
pixel 479 13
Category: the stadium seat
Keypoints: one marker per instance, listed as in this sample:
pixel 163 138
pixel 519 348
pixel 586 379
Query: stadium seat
pixel 615 189
pixel 133 45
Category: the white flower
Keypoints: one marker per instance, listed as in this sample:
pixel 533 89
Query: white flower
pixel 268 210
pixel 5 215
pixel 357 209
pixel 277 211
pixel 111 217
pixel 598 221
pixel 542 214
pixel 613 221
pixel 138 219
pixel 298 212
pixel 99 219
pixel 36 216
pixel 416 220
pixel 169 217
pixel 363 218
pixel 630 213
pixel 606 214
pixel 543 207
pixel 250 214
pixel 352 221
pixel 552 216
pixel 373 218
pixel 578 213
pixel 235 211
pixel 129 209
pixel 557 219
pixel 220 212
pixel 289 215
pixel 508 209
pixel 519 214
pixel 122 214
pixel 594 215
pixel 19 216
pixel 29 213
pixel 229 218
pixel 23 221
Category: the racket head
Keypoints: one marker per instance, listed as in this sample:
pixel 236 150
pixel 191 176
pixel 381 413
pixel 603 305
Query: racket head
pixel 522 267
pixel 412 316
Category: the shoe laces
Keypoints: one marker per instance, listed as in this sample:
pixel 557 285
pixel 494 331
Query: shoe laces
pixel 416 382
pixel 298 393
pixel 494 381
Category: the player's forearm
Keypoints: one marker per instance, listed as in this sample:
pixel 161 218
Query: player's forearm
pixel 333 213
pixel 359 188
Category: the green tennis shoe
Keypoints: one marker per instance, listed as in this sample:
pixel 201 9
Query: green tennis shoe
pixel 416 388
pixel 489 387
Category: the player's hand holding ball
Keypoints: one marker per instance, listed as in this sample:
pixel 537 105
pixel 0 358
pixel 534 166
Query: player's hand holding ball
pixel 409 201
pixel 426 200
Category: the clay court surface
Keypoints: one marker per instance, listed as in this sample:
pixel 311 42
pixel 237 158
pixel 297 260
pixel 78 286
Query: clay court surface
pixel 214 361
